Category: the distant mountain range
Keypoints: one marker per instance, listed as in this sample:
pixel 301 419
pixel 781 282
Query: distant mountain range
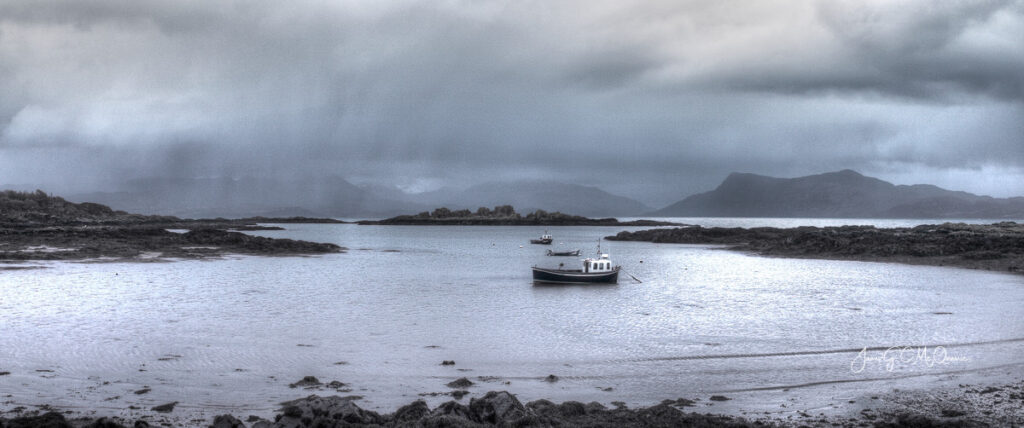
pixel 842 194
pixel 333 196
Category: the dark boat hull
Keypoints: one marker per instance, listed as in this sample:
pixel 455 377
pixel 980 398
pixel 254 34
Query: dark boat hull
pixel 564 253
pixel 563 276
pixel 541 241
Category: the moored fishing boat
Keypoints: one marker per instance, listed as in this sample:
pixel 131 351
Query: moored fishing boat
pixel 545 239
pixel 594 271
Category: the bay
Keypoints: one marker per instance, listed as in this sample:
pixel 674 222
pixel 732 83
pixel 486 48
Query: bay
pixel 230 335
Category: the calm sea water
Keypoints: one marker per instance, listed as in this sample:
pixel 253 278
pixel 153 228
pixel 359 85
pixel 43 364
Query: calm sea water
pixel 230 335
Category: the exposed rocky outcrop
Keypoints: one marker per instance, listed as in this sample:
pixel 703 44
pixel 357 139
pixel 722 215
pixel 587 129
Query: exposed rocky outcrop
pixel 997 246
pixel 76 243
pixel 36 226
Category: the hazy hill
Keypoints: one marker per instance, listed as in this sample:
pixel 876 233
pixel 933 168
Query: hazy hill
pixel 249 196
pixel 536 195
pixel 335 197
pixel 837 194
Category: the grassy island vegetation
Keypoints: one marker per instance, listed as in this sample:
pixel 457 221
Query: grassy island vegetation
pixel 505 215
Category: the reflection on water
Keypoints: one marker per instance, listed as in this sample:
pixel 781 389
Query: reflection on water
pixel 232 334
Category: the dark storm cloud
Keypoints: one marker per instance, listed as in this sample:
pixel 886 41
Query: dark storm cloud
pixel 656 99
pixel 913 49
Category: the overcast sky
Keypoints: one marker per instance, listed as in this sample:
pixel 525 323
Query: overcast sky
pixel 651 99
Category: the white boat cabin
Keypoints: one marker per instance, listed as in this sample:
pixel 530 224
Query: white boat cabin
pixel 604 264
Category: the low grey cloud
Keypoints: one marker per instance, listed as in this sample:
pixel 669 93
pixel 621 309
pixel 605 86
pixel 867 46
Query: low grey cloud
pixel 653 99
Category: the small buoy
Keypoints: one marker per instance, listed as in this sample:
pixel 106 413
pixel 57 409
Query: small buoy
pixel 641 261
pixel 520 246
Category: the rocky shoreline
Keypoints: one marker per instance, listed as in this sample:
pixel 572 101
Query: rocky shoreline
pixel 997 247
pixel 36 226
pixel 961 406
pixel 142 243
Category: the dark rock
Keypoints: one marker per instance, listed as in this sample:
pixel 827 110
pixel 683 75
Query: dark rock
pixel 142 391
pixel 906 420
pixel 551 378
pixel 460 383
pixel 141 424
pixel 46 420
pixel 105 423
pixel 165 408
pixel 447 363
pixel 444 421
pixel 333 408
pixel 681 402
pixel 451 409
pixel 496 407
pixel 540 405
pixel 719 398
pixel 226 421
pixel 4 373
pixel 571 409
pixel 306 382
pixel 291 412
pixel 459 394
pixel 412 412
pixel 952 413
pixel 335 384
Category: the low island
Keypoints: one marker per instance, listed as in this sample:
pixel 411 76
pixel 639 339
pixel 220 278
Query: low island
pixel 37 226
pixel 505 215
pixel 998 246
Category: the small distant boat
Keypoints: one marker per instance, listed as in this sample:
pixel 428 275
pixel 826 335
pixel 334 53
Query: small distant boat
pixel 594 271
pixel 572 253
pixel 545 239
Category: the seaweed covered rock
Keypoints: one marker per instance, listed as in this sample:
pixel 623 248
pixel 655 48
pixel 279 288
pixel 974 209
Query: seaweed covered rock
pixel 496 407
pixel 331 408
